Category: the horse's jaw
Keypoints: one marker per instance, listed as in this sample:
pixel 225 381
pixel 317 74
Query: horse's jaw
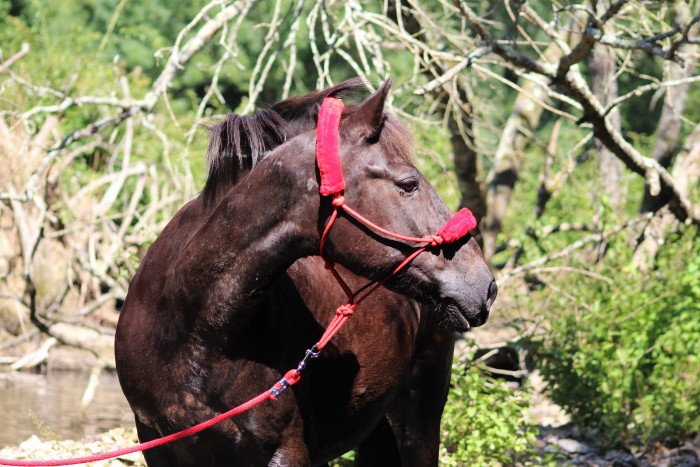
pixel 456 281
pixel 452 317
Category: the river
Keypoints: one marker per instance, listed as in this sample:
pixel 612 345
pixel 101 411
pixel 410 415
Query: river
pixel 49 406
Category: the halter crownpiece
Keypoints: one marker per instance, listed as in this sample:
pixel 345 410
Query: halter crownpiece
pixel 328 146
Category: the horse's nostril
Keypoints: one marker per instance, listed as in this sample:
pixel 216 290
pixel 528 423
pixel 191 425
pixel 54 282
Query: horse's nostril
pixel 493 291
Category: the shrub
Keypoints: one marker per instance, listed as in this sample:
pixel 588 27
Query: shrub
pixel 484 421
pixel 624 359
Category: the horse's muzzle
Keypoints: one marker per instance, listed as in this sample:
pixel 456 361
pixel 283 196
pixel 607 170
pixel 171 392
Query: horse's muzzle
pixel 470 309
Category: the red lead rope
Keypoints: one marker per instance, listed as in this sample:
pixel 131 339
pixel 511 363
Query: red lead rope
pixel 332 183
pixel 147 445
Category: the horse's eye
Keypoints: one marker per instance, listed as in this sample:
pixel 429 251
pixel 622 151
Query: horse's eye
pixel 408 185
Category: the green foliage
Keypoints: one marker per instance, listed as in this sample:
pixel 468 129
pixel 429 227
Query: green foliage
pixel 346 460
pixel 484 421
pixel 624 359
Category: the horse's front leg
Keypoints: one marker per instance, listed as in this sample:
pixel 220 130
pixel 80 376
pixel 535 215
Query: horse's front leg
pixel 291 449
pixel 155 457
pixel 416 411
pixel 271 433
pixel 379 448
pixel 291 452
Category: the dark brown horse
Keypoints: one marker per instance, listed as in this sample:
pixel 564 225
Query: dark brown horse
pixel 212 319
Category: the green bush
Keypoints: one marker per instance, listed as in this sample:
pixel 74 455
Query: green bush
pixel 484 421
pixel 624 359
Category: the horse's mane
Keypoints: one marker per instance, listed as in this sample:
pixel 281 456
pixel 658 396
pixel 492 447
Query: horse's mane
pixel 240 142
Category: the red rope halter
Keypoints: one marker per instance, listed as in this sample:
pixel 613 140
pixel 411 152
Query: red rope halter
pixel 332 183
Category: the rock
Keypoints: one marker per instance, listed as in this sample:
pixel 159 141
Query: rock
pixel 50 271
pixel 685 458
pixel 572 446
pixel 622 459
pixel 70 358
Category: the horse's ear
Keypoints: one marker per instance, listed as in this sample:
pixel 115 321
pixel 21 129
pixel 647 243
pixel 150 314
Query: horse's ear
pixel 368 119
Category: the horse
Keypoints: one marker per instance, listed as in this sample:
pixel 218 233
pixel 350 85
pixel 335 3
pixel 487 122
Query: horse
pixel 232 292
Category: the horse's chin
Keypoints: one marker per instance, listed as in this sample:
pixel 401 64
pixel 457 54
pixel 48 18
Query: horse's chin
pixel 451 317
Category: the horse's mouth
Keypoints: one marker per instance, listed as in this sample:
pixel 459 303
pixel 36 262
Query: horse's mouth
pixel 452 317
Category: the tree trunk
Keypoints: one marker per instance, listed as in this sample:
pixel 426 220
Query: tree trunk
pixel 522 122
pixel 502 177
pixel 602 70
pixel 460 124
pixel 686 173
pixel 669 128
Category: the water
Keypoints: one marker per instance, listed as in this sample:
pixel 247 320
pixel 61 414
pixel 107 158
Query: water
pixel 49 406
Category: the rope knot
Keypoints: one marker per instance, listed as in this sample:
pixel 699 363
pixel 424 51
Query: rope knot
pixel 338 200
pixel 436 240
pixel 345 310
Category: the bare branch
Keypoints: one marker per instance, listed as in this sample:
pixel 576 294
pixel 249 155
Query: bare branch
pixel 684 39
pixel 180 56
pixel 24 50
pixel 452 72
pixel 596 237
pixel 636 44
pixel 687 174
pixel 570 80
pixel 638 91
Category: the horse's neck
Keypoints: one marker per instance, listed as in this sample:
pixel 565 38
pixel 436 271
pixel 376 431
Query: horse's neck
pixel 257 230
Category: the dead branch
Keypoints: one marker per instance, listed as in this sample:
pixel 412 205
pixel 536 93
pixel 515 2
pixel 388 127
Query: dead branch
pixel 596 237
pixel 97 246
pixel 24 50
pixel 178 59
pixel 36 357
pixel 180 56
pixel 686 172
pixel 648 46
pixel 568 77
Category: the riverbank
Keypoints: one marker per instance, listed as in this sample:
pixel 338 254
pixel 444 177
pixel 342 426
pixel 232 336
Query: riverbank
pixel 51 405
pixel 35 448
pixel 561 445
pixel 558 442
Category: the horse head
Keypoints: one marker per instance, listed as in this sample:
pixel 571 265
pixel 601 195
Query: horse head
pixel 382 183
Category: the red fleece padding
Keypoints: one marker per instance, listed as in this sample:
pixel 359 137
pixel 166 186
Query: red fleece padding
pixel 458 226
pixel 328 146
